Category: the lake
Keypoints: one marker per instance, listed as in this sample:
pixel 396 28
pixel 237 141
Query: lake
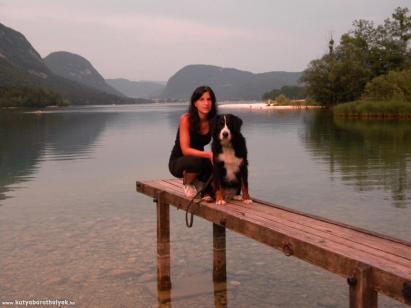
pixel 73 227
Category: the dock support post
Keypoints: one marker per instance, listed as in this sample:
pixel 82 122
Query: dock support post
pixel 361 294
pixel 220 294
pixel 163 243
pixel 219 256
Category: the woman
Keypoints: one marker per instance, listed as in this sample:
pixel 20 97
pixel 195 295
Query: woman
pixel 188 160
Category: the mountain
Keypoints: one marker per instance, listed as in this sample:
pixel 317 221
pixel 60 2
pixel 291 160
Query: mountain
pixel 17 52
pixel 143 89
pixel 22 66
pixel 227 83
pixel 74 67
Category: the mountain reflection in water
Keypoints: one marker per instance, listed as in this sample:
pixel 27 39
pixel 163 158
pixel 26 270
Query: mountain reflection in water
pixel 29 138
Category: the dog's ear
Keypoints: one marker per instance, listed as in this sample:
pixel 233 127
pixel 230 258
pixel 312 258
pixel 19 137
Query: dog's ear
pixel 237 122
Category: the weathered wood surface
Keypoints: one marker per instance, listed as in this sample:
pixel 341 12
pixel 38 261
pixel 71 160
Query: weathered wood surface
pixel 336 247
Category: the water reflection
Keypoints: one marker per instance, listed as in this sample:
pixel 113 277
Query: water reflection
pixel 195 288
pixel 27 139
pixel 72 136
pixel 18 133
pixel 371 155
pixel 80 231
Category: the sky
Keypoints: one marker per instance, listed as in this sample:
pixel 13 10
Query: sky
pixel 153 39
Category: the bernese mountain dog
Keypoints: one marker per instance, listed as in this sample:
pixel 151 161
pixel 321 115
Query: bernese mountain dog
pixel 229 160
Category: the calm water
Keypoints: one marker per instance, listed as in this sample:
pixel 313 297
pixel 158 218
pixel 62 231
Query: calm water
pixel 73 227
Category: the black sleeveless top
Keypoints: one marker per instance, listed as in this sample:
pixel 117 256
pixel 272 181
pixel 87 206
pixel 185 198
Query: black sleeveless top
pixel 197 141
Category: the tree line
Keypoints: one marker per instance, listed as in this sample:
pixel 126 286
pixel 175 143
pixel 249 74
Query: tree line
pixel 370 62
pixel 30 97
pixel 291 92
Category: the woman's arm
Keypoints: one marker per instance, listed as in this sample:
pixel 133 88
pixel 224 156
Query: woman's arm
pixel 185 140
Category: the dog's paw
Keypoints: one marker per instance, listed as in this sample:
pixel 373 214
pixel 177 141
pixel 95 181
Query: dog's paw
pixel 238 198
pixel 248 201
pixel 220 202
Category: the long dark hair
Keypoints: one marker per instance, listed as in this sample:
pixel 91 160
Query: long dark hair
pixel 193 112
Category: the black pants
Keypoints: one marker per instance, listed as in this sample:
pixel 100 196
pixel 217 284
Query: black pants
pixel 193 164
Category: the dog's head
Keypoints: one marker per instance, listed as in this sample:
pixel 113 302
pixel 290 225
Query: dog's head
pixel 226 127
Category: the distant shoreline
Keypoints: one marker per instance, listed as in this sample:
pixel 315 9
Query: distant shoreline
pixel 263 106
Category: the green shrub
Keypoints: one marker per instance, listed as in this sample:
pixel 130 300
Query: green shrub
pixel 395 86
pixel 379 109
pixel 282 100
pixel 293 92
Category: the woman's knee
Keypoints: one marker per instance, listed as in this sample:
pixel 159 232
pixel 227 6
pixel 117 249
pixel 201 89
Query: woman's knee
pixel 187 164
pixel 193 164
pixel 174 170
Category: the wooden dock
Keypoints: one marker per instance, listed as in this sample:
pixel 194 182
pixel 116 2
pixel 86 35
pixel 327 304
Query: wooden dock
pixel 372 263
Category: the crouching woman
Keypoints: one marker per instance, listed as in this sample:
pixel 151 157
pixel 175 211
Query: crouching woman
pixel 188 160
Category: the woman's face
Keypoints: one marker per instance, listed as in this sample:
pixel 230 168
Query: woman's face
pixel 204 103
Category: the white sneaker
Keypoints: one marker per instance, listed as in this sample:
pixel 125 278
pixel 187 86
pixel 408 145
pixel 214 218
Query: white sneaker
pixel 190 191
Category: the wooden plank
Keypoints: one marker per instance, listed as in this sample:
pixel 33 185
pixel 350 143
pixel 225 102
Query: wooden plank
pixel 345 250
pixel 321 252
pixel 308 219
pixel 266 205
pixel 400 248
pixel 242 213
pixel 351 243
pixel 365 239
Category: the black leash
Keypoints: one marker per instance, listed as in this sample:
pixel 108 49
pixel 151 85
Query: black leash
pixel 189 224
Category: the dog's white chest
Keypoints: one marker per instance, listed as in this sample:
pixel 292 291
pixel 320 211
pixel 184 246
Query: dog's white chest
pixel 231 163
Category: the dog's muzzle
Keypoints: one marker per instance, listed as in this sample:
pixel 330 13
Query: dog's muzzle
pixel 225 135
